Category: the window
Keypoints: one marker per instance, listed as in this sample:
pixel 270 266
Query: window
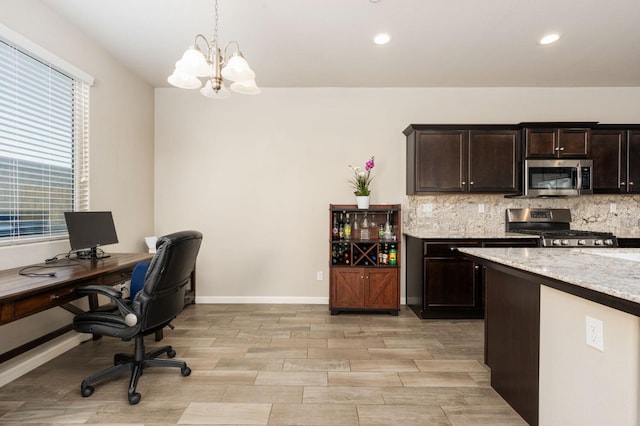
pixel 44 161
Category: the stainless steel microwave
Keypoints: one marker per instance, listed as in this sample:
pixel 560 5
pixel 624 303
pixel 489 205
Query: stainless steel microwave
pixel 558 178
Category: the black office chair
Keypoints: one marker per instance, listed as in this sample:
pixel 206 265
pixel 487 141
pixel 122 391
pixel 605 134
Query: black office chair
pixel 159 301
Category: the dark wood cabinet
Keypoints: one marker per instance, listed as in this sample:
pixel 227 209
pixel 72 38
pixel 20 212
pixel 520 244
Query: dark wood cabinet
pixel 458 159
pixel 629 242
pixel 364 268
pixel 608 152
pixel 557 142
pixel 452 284
pixel 615 151
pixel 512 340
pixel 442 283
pixel 438 159
pixel 493 161
pixel 364 289
pixel 633 161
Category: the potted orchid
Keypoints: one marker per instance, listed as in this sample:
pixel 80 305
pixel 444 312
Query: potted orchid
pixel 361 180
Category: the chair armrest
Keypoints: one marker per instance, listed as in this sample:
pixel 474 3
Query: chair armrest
pixel 127 313
pixel 99 289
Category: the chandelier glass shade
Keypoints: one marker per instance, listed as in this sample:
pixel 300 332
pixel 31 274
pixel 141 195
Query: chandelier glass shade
pixel 214 68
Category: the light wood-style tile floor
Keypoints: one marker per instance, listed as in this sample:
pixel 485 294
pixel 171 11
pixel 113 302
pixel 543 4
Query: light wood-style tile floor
pixel 278 365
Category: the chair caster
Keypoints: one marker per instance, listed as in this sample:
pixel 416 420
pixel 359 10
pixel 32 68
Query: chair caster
pixel 171 353
pixel 185 371
pixel 86 391
pixel 134 398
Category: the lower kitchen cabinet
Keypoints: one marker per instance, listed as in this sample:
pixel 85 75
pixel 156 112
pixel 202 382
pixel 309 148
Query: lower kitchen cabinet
pixel 629 242
pixel 364 289
pixel 442 283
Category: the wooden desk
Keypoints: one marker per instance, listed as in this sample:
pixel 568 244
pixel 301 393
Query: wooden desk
pixel 22 296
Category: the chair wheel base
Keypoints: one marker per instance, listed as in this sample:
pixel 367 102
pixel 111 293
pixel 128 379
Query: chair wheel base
pixel 186 371
pixel 171 353
pixel 134 398
pixel 86 391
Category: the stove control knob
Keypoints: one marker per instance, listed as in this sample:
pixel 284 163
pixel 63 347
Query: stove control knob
pixel 582 243
pixel 565 242
pixel 598 242
pixel 608 242
pixel 556 242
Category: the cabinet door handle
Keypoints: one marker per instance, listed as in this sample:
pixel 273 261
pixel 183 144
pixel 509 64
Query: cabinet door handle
pixel 464 183
pixel 623 183
pixel 471 183
pixel 556 148
pixel 630 183
pixel 477 267
pixel 562 148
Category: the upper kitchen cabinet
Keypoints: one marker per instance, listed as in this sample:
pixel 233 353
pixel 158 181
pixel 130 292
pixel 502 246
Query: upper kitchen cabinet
pixel 615 150
pixel 462 159
pixel 557 140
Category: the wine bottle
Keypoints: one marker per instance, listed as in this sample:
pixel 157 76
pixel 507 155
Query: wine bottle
pixel 364 230
pixel 355 228
pixel 334 230
pixel 341 228
pixel 384 256
pixel 347 229
pixel 393 255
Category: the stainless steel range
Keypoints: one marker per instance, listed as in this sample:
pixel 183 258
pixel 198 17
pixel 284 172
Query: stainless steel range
pixel 553 227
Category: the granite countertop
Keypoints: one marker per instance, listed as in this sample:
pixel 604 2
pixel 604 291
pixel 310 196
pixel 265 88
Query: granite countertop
pixel 612 271
pixel 462 235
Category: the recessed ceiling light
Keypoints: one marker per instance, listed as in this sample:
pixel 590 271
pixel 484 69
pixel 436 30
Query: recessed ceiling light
pixel 549 39
pixel 382 38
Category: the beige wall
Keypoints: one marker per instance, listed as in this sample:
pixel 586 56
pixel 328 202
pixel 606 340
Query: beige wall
pixel 121 138
pixel 580 385
pixel 256 174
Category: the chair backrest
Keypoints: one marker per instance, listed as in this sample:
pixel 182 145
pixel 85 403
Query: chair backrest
pixel 137 279
pixel 162 296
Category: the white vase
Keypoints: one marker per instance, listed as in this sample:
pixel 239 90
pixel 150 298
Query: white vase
pixel 362 201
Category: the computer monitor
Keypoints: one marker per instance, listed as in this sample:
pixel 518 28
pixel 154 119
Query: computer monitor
pixel 88 231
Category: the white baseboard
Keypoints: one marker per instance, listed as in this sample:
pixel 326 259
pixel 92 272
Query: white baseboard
pixel 262 300
pixel 22 364
pixel 267 299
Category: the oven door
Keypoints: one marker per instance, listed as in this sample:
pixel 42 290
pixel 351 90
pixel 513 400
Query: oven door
pixel 557 178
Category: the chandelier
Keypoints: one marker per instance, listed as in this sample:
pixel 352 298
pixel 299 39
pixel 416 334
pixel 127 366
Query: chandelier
pixel 215 67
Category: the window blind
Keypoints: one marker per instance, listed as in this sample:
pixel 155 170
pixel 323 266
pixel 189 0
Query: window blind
pixel 44 146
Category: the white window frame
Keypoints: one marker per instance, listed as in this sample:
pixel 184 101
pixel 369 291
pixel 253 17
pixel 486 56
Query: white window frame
pixel 80 128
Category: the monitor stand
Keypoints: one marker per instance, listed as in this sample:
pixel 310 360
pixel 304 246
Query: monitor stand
pixel 92 254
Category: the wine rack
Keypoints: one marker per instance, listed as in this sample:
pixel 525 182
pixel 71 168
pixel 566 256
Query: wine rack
pixel 365 259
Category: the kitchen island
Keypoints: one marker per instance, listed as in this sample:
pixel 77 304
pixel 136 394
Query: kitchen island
pixel 538 302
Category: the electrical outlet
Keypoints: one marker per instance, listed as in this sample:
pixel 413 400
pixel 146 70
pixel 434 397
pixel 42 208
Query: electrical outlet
pixel 481 208
pixel 612 208
pixel 427 208
pixel 319 276
pixel 595 333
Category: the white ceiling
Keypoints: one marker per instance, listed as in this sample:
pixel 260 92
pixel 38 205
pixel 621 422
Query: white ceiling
pixel 327 43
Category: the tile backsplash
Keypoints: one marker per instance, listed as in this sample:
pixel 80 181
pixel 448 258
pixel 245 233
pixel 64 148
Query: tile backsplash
pixel 485 214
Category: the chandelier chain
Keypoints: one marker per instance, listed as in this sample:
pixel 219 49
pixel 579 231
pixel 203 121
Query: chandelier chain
pixel 215 28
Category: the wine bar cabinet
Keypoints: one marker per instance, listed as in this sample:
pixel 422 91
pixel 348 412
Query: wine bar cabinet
pixel 364 256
